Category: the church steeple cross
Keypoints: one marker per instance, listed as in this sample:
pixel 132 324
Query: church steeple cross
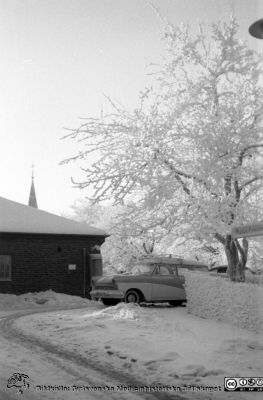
pixel 32 202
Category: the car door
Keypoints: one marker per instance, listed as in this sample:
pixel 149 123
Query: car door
pixel 166 285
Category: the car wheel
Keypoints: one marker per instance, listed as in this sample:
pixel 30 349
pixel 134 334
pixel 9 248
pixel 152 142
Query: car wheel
pixel 176 302
pixel 110 302
pixel 132 296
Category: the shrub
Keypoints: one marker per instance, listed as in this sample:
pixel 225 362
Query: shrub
pixel 216 297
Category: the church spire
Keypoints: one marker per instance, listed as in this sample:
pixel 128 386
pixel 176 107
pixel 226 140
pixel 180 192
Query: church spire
pixel 32 202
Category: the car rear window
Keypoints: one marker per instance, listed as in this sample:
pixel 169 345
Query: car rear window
pixel 143 269
pixel 166 269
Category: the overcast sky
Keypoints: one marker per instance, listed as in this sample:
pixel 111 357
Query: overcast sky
pixel 58 58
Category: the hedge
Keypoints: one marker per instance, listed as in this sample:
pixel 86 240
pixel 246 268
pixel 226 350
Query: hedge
pixel 216 297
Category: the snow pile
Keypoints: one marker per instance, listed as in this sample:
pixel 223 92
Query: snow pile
pixel 40 299
pixel 122 311
pixel 211 296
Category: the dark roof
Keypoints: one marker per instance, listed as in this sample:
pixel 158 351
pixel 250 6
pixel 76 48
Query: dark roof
pixel 19 218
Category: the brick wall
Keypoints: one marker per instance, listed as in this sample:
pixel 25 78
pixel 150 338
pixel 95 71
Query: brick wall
pixel 40 262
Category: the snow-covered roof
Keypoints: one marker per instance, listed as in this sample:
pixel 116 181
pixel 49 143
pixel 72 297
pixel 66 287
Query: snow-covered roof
pixel 19 218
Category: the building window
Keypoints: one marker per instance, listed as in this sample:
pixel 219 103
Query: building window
pixel 5 268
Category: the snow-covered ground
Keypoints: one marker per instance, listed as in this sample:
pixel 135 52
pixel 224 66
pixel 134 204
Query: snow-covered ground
pixel 151 345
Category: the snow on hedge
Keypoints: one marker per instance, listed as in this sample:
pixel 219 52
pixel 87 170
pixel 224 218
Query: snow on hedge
pixel 215 297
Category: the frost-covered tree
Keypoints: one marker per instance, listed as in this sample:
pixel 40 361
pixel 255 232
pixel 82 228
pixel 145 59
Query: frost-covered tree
pixel 191 152
pixel 124 245
pixel 97 215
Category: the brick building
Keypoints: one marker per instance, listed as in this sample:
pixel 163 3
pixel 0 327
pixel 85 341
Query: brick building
pixel 41 251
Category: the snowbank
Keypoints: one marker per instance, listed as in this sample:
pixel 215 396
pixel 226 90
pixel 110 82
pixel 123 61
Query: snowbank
pixel 210 296
pixel 40 299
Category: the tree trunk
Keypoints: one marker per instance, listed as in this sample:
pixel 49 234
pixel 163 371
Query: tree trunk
pixel 236 257
pixel 148 246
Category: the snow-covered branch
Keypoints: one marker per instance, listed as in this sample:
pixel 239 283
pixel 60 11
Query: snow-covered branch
pixel 250 181
pixel 244 151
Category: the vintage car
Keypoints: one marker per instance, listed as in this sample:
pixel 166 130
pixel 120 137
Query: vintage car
pixel 155 279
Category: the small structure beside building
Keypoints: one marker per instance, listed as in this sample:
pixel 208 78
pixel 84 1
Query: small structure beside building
pixel 41 251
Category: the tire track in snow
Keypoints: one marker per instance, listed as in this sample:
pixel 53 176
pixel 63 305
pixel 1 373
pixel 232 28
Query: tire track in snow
pixel 76 365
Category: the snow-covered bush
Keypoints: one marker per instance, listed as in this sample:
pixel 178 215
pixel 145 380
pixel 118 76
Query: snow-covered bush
pixel 216 297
